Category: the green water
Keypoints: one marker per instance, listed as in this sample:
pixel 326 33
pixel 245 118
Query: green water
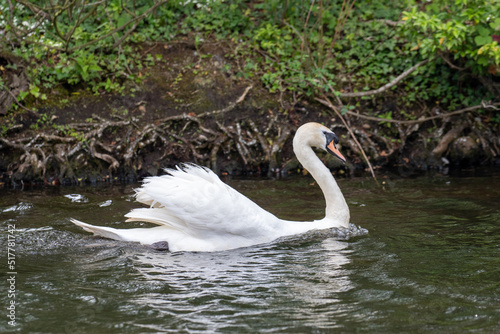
pixel 430 263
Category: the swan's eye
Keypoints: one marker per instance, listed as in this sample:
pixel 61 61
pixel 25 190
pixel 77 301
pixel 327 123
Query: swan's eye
pixel 330 136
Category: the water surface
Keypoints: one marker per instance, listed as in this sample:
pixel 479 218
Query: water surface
pixel 430 263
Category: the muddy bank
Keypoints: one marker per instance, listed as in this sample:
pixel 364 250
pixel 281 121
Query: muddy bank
pixel 196 109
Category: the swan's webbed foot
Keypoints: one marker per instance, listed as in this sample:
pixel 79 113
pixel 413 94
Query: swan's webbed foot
pixel 160 246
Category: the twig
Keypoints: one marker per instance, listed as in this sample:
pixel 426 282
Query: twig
pixel 483 105
pixel 387 86
pixel 140 17
pixel 451 64
pixel 23 107
pixel 343 15
pixel 34 8
pixel 305 27
pixel 390 22
pixel 230 107
pixel 329 104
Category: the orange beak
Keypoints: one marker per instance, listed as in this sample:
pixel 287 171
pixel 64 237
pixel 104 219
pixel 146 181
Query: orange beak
pixel 332 149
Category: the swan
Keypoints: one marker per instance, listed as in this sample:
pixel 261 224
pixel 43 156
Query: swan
pixel 196 211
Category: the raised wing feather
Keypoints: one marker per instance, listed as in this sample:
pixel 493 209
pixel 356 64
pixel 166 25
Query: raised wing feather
pixel 194 200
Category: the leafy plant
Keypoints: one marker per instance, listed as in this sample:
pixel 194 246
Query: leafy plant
pixel 78 43
pixel 467 31
pixel 304 47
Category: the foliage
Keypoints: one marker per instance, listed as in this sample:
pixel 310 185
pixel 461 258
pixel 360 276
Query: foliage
pixel 224 19
pixel 304 47
pixel 81 43
pixel 467 30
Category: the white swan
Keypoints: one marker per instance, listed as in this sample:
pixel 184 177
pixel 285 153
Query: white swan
pixel 196 211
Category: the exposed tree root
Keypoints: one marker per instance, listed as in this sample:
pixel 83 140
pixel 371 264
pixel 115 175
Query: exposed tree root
pixel 112 149
pixel 445 141
pixel 123 147
pixel 106 149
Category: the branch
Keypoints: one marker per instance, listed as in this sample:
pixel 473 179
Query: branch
pixel 125 35
pixel 23 107
pixel 390 22
pixel 230 107
pixel 35 9
pixel 140 17
pixel 387 86
pixel 14 145
pixel 447 61
pixel 329 104
pixel 483 105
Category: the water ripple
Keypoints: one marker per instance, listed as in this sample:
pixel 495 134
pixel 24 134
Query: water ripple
pixel 429 264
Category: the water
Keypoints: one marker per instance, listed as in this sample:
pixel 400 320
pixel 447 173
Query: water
pixel 430 263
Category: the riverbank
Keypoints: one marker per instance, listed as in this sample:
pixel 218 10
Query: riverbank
pixel 192 107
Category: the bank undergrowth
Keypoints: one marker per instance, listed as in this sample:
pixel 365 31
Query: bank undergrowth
pixel 307 48
pixel 398 64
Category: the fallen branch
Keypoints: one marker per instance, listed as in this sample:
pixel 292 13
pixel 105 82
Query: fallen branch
pixel 483 105
pixel 387 86
pixel 390 22
pixel 49 137
pixel 230 107
pixel 189 118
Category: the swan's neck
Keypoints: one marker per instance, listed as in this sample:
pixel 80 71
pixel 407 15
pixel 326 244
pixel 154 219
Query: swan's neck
pixel 337 210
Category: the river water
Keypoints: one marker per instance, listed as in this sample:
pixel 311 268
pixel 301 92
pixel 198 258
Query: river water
pixel 429 263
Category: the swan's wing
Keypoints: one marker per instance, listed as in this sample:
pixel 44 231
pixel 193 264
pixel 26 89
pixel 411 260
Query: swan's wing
pixel 145 236
pixel 106 232
pixel 195 201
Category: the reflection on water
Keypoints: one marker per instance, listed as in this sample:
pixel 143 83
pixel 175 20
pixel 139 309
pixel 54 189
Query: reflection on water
pixel 430 263
pixel 234 288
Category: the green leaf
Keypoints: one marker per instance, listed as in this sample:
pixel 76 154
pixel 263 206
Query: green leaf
pixel 495 25
pixel 22 95
pixel 35 91
pixel 95 68
pixel 483 31
pixel 482 40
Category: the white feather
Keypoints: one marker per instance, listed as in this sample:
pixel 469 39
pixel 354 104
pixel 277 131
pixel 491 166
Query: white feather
pixel 196 211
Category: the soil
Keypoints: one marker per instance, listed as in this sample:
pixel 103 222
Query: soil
pixel 193 107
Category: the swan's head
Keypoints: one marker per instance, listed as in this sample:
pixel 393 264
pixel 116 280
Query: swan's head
pixel 319 136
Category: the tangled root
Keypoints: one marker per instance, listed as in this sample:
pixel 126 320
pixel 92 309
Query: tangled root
pixel 120 148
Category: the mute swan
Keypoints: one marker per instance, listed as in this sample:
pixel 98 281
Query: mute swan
pixel 196 211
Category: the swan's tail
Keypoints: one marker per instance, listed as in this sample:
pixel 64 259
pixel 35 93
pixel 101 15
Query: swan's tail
pixel 106 232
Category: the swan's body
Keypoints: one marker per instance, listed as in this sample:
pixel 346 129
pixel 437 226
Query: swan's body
pixel 196 211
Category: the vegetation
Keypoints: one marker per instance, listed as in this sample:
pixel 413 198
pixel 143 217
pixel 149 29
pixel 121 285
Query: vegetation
pixel 390 62
pixel 308 48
